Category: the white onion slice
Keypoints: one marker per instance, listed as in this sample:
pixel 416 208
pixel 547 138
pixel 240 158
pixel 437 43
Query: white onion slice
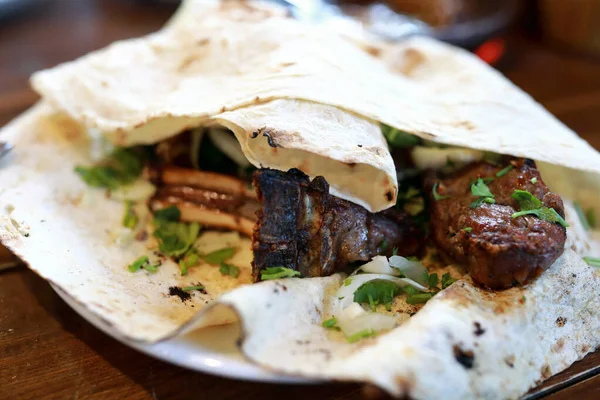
pixel 437 158
pixel 229 145
pixel 411 269
pixel 197 135
pixel 378 265
pixel 346 292
pixel 140 190
pixel 354 319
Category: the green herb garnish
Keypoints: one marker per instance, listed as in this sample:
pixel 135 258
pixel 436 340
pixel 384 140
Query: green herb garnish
pixel 171 213
pixel 591 217
pixel 531 205
pixel 138 264
pixel 534 180
pixel 190 259
pixel 377 291
pixel 331 323
pixel 504 171
pixel 190 288
pixel 480 189
pixel 592 261
pixel 467 229
pixel 436 196
pixel 361 335
pixel 277 273
pixel 433 280
pixel 130 219
pixel 228 269
pixel 123 166
pixel 175 238
pixel 347 281
pixel 419 298
pixel 447 280
pixel 398 138
pixel 219 256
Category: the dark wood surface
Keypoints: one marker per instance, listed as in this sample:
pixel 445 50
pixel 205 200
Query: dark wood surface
pixel 48 352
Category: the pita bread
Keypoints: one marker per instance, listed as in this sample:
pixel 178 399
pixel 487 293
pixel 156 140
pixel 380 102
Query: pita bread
pixel 135 92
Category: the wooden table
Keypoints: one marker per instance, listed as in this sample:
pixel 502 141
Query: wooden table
pixel 49 352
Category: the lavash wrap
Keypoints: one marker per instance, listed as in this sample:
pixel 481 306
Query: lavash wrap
pixel 137 91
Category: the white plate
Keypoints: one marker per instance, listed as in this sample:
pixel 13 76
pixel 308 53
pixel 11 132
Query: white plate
pixel 211 350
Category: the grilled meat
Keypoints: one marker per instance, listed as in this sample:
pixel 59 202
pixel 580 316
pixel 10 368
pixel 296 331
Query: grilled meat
pixel 499 250
pixel 303 227
pixel 214 200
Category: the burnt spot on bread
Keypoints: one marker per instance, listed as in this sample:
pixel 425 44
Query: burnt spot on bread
pixel 478 329
pixel 389 196
pixel 466 358
pixel 360 145
pixel 179 292
pixel 561 321
pixel 546 371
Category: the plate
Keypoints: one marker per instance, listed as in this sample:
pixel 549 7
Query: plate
pixel 210 350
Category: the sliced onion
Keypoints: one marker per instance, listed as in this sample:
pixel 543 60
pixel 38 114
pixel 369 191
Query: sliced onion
pixel 354 319
pixel 346 292
pixel 411 269
pixel 228 144
pixel 437 158
pixel 140 190
pixel 197 135
pixel 378 265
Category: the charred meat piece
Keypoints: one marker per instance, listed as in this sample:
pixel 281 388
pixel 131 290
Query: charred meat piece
pixel 212 199
pixel 499 250
pixel 303 227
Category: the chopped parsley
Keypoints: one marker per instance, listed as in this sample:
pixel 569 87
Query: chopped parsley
pixel 138 264
pixel 219 256
pixel 123 166
pixel 190 288
pixel 228 269
pixel 398 138
pixel 582 216
pixel 436 196
pixel 174 238
pixel 447 280
pixel 433 280
pixel 504 171
pixel 151 267
pixel 277 273
pixel 534 180
pixel 531 205
pixel 592 261
pixel 377 291
pixel 467 229
pixel 419 298
pixel 361 335
pixel 347 281
pixel 480 189
pixel 189 259
pixel 331 323
pixel 130 219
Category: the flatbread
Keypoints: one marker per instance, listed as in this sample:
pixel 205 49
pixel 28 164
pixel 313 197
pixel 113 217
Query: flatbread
pixel 465 343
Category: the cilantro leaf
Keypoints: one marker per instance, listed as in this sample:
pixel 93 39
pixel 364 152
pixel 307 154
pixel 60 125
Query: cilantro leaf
pixel 531 205
pixel 526 200
pixel 361 335
pixel 277 272
pixel 398 138
pixel 138 264
pixel 347 281
pixel 130 219
pixel 433 280
pixel 228 269
pixel 447 280
pixel 189 259
pixel 504 171
pixel 123 166
pixel 436 196
pixel 479 188
pixel 175 238
pixel 533 180
pixel 331 323
pixel 377 291
pixel 152 268
pixel 592 261
pixel 419 298
pixel 171 213
pixel 219 256
pixel 467 229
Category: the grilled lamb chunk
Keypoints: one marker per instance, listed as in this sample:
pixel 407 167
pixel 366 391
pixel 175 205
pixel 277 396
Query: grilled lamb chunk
pixel 499 250
pixel 303 227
